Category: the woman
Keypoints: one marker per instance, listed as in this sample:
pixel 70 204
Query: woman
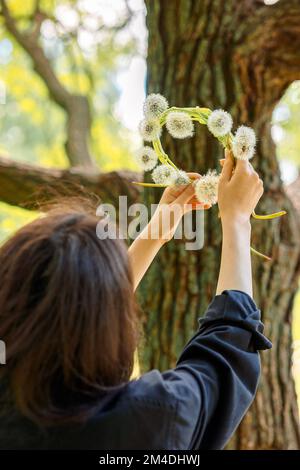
pixel 69 320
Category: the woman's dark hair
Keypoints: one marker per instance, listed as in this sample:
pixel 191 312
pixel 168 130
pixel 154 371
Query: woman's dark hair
pixel 68 316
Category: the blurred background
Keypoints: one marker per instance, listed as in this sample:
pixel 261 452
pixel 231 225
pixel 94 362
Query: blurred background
pixel 98 48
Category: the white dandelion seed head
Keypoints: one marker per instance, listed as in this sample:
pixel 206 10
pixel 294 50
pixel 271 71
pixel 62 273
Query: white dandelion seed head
pixel 146 158
pixel 164 174
pixel 179 125
pixel 182 178
pixel 246 133
pixel 206 188
pixel 243 145
pixel 150 129
pixel 219 123
pixel 154 105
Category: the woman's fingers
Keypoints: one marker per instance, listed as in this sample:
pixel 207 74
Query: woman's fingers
pixel 196 204
pixel 171 193
pixel 185 192
pixel 242 165
pixel 194 176
pixel 186 195
pixel 227 166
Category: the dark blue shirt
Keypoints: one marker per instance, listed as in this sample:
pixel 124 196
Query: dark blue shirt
pixel 196 405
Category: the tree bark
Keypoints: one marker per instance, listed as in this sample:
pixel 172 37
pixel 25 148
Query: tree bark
pixel 27 185
pixel 239 56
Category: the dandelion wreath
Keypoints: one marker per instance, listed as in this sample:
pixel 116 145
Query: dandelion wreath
pixel 180 124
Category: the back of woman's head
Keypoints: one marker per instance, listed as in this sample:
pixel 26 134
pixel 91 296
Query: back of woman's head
pixel 67 316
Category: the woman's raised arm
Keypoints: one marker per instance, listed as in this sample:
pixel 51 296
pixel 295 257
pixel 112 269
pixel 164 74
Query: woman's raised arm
pixel 175 202
pixel 238 195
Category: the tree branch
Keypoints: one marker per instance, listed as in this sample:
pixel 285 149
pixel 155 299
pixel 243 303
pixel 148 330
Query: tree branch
pixel 76 106
pixel 268 45
pixel 22 184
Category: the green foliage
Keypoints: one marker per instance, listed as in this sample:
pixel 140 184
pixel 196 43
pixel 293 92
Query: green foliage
pixel 296 338
pixel 85 56
pixel 12 218
pixel 286 120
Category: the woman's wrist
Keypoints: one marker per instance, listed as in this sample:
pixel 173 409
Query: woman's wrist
pixel 236 224
pixel 235 270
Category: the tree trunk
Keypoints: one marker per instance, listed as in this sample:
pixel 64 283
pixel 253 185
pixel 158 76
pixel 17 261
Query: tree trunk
pixel 239 56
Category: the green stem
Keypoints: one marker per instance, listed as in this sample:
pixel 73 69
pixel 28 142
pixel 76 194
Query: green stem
pixel 261 255
pixel 268 216
pixel 150 185
pixel 163 157
pixel 201 113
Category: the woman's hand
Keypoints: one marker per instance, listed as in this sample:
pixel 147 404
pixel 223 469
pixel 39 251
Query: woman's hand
pixel 239 191
pixel 174 203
